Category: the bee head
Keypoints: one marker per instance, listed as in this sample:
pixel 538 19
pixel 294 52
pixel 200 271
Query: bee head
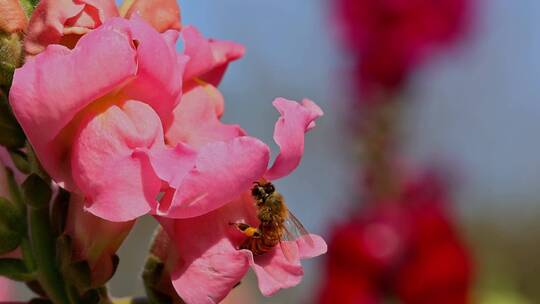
pixel 269 188
pixel 258 192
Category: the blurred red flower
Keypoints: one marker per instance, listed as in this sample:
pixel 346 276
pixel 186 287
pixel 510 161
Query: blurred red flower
pixel 407 249
pixel 389 38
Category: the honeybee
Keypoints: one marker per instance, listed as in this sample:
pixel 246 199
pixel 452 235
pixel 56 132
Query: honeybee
pixel 278 225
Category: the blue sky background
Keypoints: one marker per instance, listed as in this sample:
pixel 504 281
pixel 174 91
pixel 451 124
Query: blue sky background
pixel 476 106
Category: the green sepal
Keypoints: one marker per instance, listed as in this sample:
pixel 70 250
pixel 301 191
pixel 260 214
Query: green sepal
pixel 78 274
pixel 12 228
pixel 153 270
pixel 15 269
pixel 37 192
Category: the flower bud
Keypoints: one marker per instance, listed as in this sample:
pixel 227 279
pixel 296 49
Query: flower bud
pixel 13 22
pixel 11 56
pixel 94 242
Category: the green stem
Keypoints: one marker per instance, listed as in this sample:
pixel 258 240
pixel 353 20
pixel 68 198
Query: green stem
pixel 44 252
pixel 27 255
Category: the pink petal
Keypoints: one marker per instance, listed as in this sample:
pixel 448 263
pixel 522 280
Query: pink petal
pixel 115 177
pixel 195 119
pixel 53 19
pixel 159 68
pixel 173 164
pixel 223 170
pixel 211 277
pixel 308 250
pixel 296 119
pixel 208 264
pixel 274 271
pixel 210 256
pixel 224 52
pixel 161 14
pixel 208 58
pixel 94 14
pixel 50 90
pixel 121 54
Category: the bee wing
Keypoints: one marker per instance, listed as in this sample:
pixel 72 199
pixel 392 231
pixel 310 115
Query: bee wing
pixel 288 245
pixel 294 230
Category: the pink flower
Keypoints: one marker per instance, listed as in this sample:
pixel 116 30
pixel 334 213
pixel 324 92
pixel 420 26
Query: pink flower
pixel 66 21
pixel 88 112
pixel 209 58
pixel 407 249
pixel 390 38
pixel 209 262
pixel 120 135
pixel 130 127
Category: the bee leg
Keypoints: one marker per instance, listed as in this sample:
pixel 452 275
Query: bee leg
pixel 248 230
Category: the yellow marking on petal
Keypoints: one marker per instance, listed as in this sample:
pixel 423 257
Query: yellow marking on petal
pixel 65 137
pixel 210 89
pixel 200 81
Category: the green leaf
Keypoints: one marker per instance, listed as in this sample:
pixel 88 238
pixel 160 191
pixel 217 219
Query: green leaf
pixel 20 160
pixel 15 269
pixel 12 227
pixel 14 190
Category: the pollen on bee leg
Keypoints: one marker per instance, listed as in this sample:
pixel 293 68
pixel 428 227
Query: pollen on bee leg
pixel 248 230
